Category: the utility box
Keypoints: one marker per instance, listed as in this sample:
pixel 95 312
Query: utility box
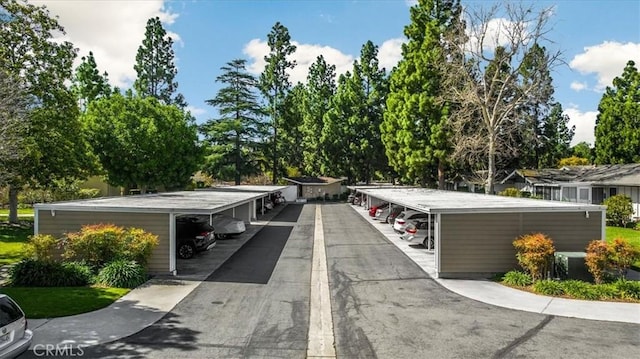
pixel 570 265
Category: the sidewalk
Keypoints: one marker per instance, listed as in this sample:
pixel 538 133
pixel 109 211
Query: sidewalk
pixel 147 304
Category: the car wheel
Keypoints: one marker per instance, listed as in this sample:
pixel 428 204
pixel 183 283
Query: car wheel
pixel 186 250
pixel 425 243
pixel 221 236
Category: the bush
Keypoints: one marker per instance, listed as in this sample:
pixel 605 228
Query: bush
pixel 511 192
pixel 597 260
pixel 637 226
pixel 535 254
pixel 623 255
pixel 42 273
pixel 41 246
pixel 619 209
pixel 548 287
pixel 628 289
pixel 122 274
pixel 99 244
pixel 580 290
pixel 517 278
pixel 606 291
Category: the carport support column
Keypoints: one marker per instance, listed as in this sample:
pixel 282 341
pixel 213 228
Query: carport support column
pixel 321 340
pixel 172 244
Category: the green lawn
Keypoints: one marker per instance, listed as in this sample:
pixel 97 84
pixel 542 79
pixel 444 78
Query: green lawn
pixel 12 242
pixel 51 302
pixel 630 235
pixel 21 212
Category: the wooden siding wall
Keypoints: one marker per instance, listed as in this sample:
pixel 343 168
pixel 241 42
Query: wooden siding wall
pixel 311 192
pixel 477 245
pixel 72 221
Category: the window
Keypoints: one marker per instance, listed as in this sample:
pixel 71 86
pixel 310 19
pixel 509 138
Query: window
pixel 570 194
pixel 9 311
pixel 583 195
pixel 613 191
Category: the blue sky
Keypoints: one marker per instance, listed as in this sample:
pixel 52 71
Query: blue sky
pixel 597 38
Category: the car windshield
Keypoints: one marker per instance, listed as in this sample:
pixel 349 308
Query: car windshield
pixel 9 311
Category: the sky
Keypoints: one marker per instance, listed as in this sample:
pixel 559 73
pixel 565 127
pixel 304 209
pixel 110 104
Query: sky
pixel 596 38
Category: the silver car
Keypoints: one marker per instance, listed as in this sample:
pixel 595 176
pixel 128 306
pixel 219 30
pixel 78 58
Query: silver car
pixel 225 226
pixel 406 217
pixel 15 338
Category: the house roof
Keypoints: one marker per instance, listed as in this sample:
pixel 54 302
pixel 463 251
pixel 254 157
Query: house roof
pixel 310 180
pixel 437 201
pixel 621 174
pixel 166 202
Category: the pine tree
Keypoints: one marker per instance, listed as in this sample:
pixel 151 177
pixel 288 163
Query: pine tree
pixel 88 84
pixel 618 124
pixel 292 131
pixel 155 66
pixel 555 137
pixel 274 82
pixel 234 136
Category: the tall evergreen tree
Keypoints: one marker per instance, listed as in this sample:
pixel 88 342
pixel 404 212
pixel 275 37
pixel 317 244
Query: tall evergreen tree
pixel 415 128
pixel 292 131
pixel 321 87
pixel 618 124
pixel 555 138
pixel 88 84
pixel 155 67
pixel 274 82
pixel 236 133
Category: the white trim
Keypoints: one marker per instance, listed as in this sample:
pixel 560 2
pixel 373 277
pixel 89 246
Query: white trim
pixel 36 225
pixel 438 242
pixel 603 235
pixel 172 244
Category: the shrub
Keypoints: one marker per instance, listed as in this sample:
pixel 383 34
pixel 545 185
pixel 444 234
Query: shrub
pixel 548 287
pixel 637 226
pixel 42 273
pixel 628 289
pixel 122 274
pixel 579 289
pixel 573 161
pixel 619 209
pixel 99 244
pixel 41 246
pixel 623 255
pixel 517 278
pixel 606 291
pixel 535 254
pixel 511 192
pixel 597 260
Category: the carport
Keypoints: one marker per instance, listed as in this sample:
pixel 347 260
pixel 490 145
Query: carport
pixel 266 190
pixel 155 213
pixel 473 233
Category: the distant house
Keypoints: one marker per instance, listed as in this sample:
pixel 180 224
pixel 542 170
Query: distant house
pixel 314 187
pixel 581 184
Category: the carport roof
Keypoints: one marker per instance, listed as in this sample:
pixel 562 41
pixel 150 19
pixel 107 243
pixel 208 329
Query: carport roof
pixel 436 201
pixel 167 202
pixel 247 188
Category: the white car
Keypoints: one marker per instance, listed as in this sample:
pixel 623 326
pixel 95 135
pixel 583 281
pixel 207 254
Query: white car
pixel 418 233
pixel 406 217
pixel 225 226
pixel 15 338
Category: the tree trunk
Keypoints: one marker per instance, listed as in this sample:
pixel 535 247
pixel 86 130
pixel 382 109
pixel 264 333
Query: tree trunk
pixel 440 175
pixel 491 173
pixel 13 204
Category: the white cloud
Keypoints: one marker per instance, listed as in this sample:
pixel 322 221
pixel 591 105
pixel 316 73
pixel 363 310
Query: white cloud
pixel 585 123
pixel 492 34
pixel 196 111
pixel 606 60
pixel 390 53
pixel 578 86
pixel 305 55
pixel 411 2
pixel 112 30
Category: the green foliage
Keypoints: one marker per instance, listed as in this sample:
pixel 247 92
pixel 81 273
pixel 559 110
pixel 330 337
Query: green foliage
pixel 619 209
pixel 41 247
pixel 143 142
pixel 535 254
pixel 511 192
pixel 623 255
pixel 628 289
pixel 555 137
pixel 42 273
pixel 88 83
pixel 580 290
pixel 122 274
pixel 573 161
pixel 235 146
pixel 606 291
pixel 99 244
pixel 517 278
pixel 548 287
pixel 155 67
pixel 618 124
pixel 583 150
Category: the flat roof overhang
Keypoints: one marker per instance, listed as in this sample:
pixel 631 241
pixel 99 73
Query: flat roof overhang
pixel 265 189
pixel 192 202
pixel 438 201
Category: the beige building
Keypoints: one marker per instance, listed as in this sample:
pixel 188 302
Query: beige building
pixel 317 187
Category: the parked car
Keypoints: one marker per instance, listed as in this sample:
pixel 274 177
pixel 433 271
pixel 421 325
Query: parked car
pixel 226 226
pixel 15 338
pixel 388 214
pixel 373 209
pixel 193 234
pixel 418 232
pixel 406 217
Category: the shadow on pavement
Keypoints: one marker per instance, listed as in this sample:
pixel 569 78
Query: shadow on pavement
pixel 255 261
pixel 290 213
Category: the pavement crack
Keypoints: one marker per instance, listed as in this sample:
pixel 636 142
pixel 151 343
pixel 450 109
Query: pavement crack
pixel 528 335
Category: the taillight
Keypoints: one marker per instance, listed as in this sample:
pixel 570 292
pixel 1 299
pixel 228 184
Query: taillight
pixel 400 221
pixel 204 234
pixel 411 230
